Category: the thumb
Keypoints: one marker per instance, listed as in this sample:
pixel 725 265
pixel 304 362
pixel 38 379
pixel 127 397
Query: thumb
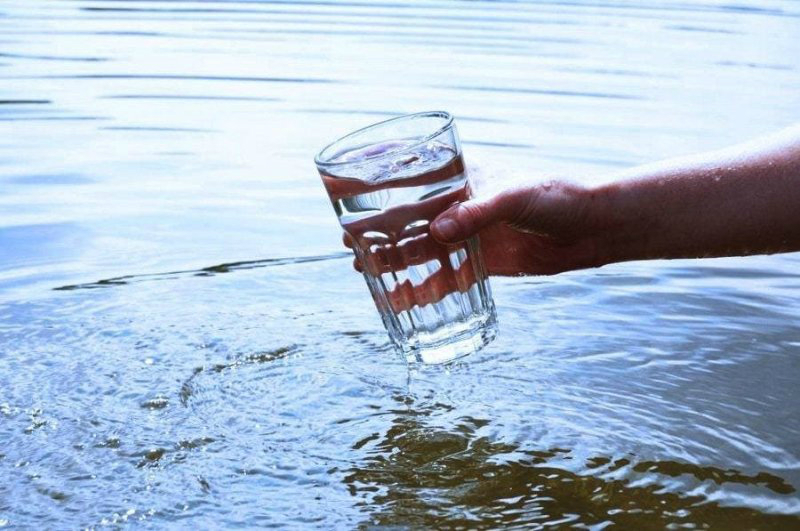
pixel 464 220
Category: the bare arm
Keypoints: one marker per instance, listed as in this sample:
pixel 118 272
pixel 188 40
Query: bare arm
pixel 738 201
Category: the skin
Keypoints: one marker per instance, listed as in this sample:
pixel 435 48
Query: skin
pixel 739 201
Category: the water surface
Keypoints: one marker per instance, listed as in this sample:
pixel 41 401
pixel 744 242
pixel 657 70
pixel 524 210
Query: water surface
pixel 182 339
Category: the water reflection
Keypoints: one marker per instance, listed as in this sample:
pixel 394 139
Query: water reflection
pixel 418 474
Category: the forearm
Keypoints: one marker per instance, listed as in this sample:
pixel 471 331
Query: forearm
pixel 743 200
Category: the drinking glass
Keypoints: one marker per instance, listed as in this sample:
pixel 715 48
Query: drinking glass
pixel 387 183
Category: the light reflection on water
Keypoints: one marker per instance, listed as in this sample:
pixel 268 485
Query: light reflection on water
pixel 182 338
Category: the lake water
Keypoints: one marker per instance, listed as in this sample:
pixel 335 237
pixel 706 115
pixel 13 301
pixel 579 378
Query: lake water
pixel 183 340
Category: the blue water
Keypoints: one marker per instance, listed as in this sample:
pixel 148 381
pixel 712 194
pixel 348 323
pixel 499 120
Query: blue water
pixel 182 338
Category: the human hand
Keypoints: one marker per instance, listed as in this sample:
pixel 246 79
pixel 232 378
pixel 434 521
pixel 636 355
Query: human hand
pixel 533 230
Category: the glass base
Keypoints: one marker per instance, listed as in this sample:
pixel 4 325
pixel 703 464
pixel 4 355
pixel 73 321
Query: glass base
pixel 450 342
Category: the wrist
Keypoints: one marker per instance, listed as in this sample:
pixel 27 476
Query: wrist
pixel 617 227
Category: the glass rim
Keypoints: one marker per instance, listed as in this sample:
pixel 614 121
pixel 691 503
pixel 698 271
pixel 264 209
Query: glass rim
pixel 322 164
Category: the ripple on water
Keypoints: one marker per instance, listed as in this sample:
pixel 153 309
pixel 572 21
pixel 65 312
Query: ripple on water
pixel 181 343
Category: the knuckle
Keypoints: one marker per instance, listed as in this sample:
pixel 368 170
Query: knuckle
pixel 470 214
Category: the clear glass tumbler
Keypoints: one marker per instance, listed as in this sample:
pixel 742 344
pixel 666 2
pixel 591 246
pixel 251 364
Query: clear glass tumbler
pixel 387 183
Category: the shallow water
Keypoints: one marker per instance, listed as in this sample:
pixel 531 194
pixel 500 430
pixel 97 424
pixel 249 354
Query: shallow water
pixel 182 339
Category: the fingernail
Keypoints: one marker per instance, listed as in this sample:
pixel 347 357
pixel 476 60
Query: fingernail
pixel 447 228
